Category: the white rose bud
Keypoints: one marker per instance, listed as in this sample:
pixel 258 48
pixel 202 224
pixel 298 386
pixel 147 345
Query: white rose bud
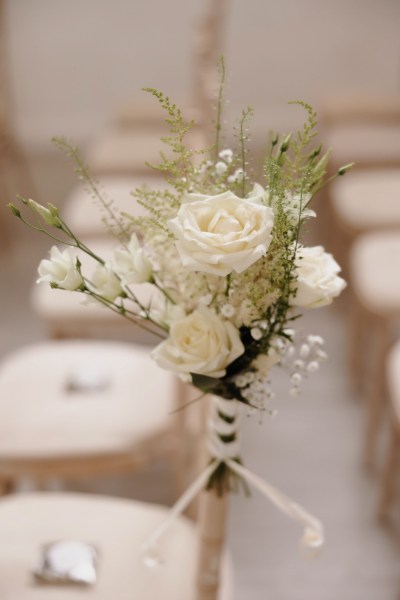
pixel 317 278
pixel 223 233
pixel 105 283
pixel 61 269
pixel 49 215
pixel 131 264
pixel 199 343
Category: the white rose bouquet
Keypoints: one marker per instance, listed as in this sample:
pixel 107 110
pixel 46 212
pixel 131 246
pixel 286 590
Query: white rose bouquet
pixel 226 260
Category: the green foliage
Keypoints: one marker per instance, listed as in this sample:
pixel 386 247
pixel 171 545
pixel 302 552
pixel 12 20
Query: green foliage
pixel 179 169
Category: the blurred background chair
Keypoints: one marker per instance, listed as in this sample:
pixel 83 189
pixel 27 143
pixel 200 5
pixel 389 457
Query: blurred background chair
pixel 375 282
pixel 362 201
pixel 119 530
pixel 77 408
pixel 134 136
pixel 85 215
pixel 361 128
pixel 390 474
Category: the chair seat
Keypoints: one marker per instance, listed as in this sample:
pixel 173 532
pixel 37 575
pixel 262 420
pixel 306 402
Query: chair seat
pixel 374 271
pixel 47 413
pixel 126 152
pixel 84 214
pixel 118 528
pixel 366 144
pixel 147 113
pixel 368 199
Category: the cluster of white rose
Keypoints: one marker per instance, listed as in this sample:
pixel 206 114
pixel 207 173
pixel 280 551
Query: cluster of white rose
pixel 128 265
pixel 216 238
pixel 227 273
pixel 226 267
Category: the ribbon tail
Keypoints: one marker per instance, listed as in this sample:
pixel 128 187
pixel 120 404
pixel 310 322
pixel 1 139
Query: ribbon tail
pixel 177 509
pixel 313 537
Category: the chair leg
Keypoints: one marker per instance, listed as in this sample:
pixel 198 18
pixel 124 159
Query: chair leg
pixel 180 452
pixel 6 486
pixel 356 351
pixel 376 391
pixel 212 523
pixel 389 475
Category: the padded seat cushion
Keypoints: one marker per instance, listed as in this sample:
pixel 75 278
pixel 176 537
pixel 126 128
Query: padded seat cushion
pixel 41 418
pixel 374 265
pixel 127 151
pixel 368 199
pixel 117 527
pixel 84 214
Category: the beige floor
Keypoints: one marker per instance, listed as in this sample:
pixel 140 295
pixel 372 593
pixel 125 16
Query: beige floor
pixel 311 450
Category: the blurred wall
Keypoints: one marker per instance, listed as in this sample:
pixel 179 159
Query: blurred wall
pixel 72 62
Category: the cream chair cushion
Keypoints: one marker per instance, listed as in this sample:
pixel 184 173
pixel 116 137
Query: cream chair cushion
pixel 374 269
pixel 117 527
pixel 126 152
pixel 84 214
pixel 368 199
pixel 41 419
pixel 146 113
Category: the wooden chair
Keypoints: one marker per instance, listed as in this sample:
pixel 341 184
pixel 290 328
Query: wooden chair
pixel 76 408
pixel 56 433
pixel 207 47
pixel 376 305
pixel 363 201
pixel 364 129
pixel 134 138
pixel 193 566
pixel 388 485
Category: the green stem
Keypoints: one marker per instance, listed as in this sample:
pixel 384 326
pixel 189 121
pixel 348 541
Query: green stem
pixel 219 106
pixel 164 291
pixel 121 311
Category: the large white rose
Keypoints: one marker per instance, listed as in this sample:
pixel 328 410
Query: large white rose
pixel 199 343
pixel 60 269
pixel 317 278
pixel 131 263
pixel 223 233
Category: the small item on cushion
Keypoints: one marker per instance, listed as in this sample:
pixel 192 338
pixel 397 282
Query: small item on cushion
pixel 66 562
pixel 87 378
